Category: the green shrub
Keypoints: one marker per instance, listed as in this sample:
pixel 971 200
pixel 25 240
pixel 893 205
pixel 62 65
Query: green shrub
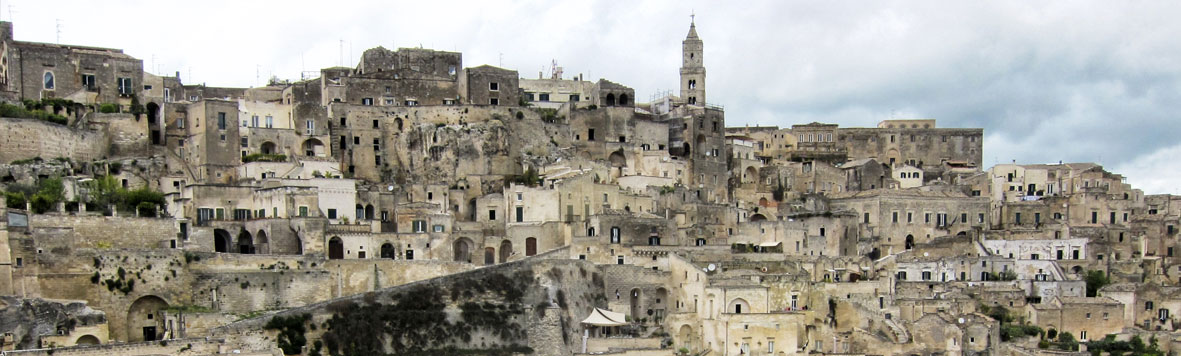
pixel 15 200
pixel 108 108
pixel 31 112
pixel 291 332
pixel 264 157
pixel 146 209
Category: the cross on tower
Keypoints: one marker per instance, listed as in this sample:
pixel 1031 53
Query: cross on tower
pixel 692 16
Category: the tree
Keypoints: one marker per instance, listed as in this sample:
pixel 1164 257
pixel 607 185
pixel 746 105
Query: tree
pixel 1095 281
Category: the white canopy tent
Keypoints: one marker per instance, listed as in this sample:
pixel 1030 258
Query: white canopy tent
pixel 603 321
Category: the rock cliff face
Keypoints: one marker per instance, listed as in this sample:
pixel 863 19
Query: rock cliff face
pixel 28 319
pixel 448 153
pixel 533 304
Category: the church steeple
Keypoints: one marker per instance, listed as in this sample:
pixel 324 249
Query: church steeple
pixel 692 67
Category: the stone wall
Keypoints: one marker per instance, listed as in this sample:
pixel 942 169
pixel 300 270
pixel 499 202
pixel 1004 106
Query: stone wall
pixel 172 347
pixel 29 138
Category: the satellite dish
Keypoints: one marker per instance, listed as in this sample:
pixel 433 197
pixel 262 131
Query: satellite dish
pixel 712 267
pixel 390 188
pixel 961 320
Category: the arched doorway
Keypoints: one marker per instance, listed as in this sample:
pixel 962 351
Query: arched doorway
pixel 758 217
pixel 462 250
pixel 87 340
pixel 506 250
pixel 269 148
pixel 751 175
pixel 623 99
pixel 661 303
pixel 313 148
pixel 489 256
pixel 387 251
pixel 685 337
pixel 360 212
pixel 531 246
pixel 221 240
pixel 701 142
pixel 144 321
pixel 335 248
pixel 369 211
pixel 739 306
pixel 909 241
pixel 264 244
pixel 153 110
pixel 610 100
pixel 686 149
pixel 636 309
pixel 245 242
pixel 617 159
pixel 398 122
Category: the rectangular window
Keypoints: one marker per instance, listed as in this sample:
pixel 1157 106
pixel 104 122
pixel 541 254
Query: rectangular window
pixel 895 218
pixel 543 96
pixel 88 82
pixel 520 214
pixel 270 121
pixel 574 97
pixel 494 86
pixel 494 101
pixel 245 142
pixel 437 228
pixel 491 214
pixel 909 217
pixel 1094 217
pixel 303 211
pixel 125 87
pixel 254 121
pixel 332 213
pixel 221 121
pixel 220 214
pixel 367 101
pixel 590 134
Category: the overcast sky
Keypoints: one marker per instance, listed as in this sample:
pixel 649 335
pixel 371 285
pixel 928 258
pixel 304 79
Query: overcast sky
pixel 1048 81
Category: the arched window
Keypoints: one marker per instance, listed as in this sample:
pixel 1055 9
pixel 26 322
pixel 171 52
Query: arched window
pixel 49 81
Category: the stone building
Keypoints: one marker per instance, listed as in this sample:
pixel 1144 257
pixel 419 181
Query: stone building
pixel 89 75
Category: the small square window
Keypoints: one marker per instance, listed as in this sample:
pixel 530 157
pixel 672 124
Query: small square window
pixel 494 86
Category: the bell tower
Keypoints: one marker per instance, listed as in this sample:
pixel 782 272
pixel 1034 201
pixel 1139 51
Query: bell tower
pixel 692 67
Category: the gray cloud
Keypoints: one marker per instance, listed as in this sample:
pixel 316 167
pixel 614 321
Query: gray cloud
pixel 1048 81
